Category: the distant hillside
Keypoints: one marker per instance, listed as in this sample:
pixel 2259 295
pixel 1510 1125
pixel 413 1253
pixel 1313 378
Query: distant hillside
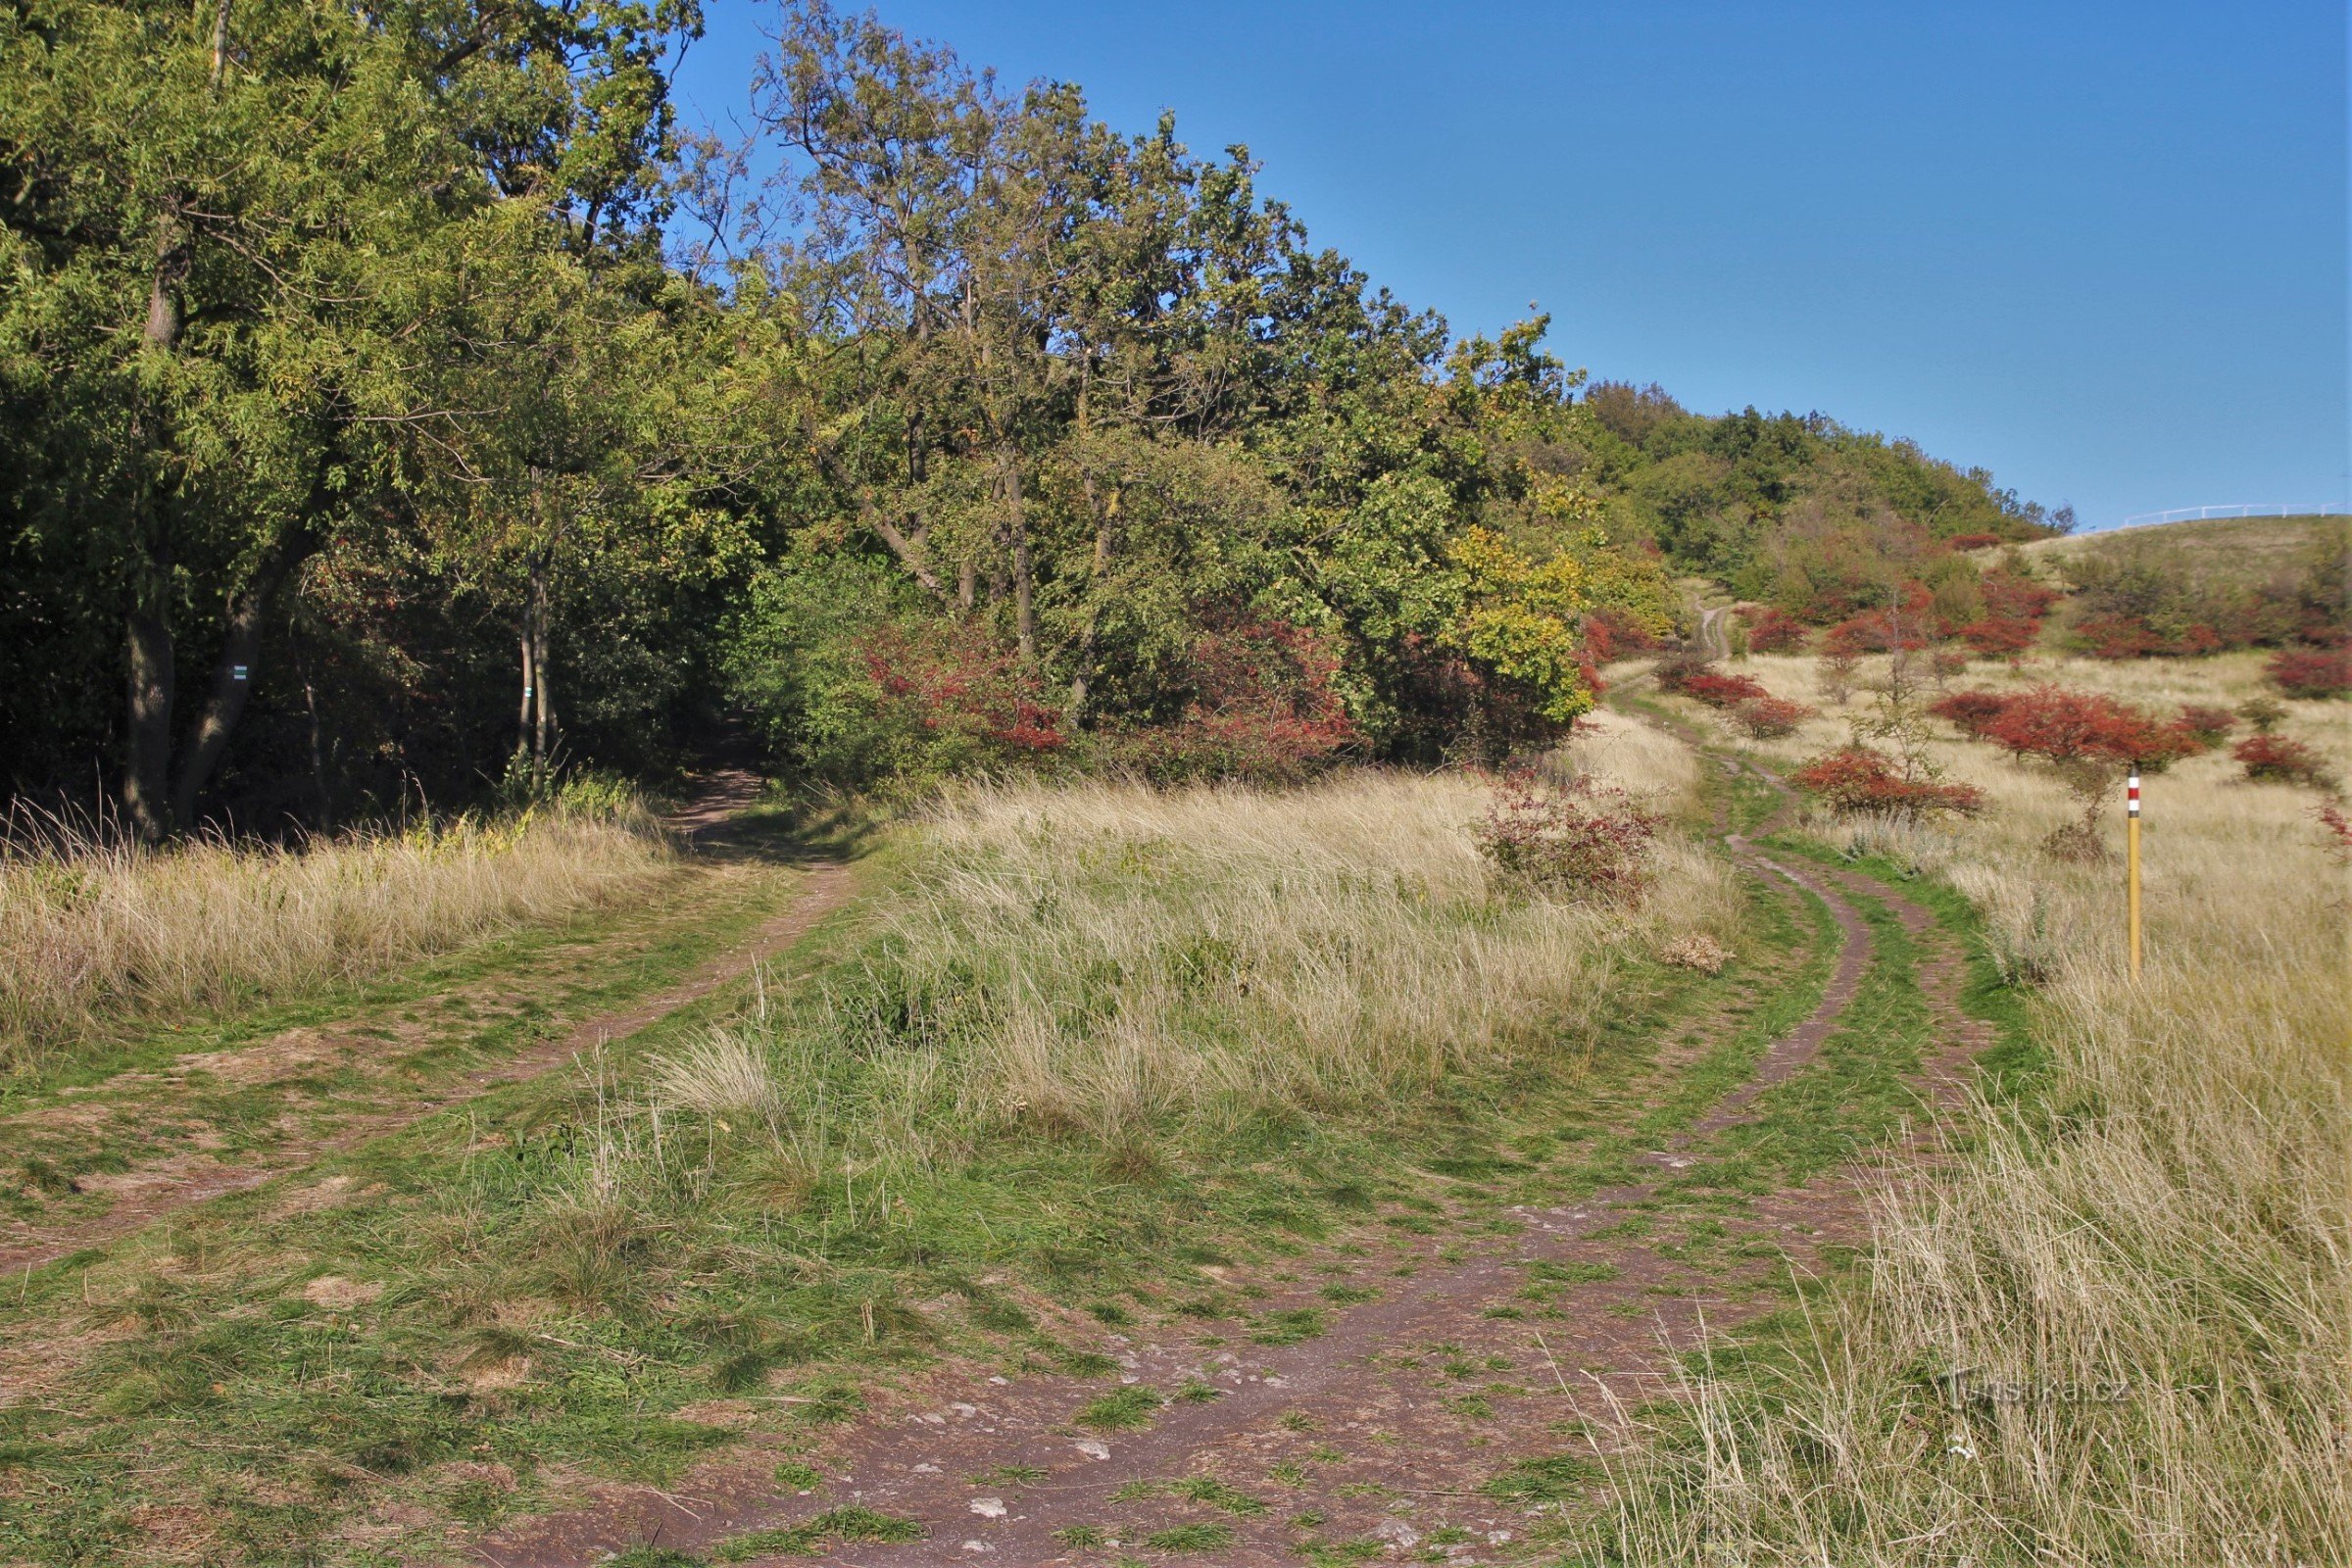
pixel 2237 550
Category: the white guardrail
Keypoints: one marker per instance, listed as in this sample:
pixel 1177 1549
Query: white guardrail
pixel 2199 513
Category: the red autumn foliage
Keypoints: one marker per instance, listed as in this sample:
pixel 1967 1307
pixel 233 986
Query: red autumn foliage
pixel 2000 638
pixel 2275 758
pixel 1610 635
pixel 1970 711
pixel 1265 708
pixel 1881 631
pixel 2207 723
pixel 2312 672
pixel 2135 637
pixel 1859 779
pixel 1769 717
pixel 958 685
pixel 1973 541
pixel 2067 726
pixel 2339 828
pixel 1776 631
pixel 2011 596
pixel 1583 842
pixel 1718 690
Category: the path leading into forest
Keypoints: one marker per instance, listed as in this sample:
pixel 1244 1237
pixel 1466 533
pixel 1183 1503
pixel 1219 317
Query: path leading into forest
pixel 1379 1430
pixel 711 826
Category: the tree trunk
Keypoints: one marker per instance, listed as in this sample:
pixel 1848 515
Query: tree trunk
pixel 153 686
pixel 1016 542
pixel 1090 641
pixel 543 718
pixel 232 683
pixel 147 626
pixel 523 717
pixel 310 703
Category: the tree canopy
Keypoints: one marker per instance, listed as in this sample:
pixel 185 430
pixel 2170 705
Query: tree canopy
pixel 410 374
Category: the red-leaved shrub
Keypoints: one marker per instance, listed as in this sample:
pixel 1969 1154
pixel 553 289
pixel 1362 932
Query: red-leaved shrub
pixel 1880 631
pixel 1583 842
pixel 2285 761
pixel 1610 633
pixel 1770 717
pixel 1264 709
pixel 969 699
pixel 1776 631
pixel 1857 778
pixel 2312 672
pixel 2067 726
pixel 1970 711
pixel 2207 723
pixel 1721 691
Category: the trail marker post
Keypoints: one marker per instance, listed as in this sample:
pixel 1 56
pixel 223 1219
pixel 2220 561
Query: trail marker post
pixel 2131 862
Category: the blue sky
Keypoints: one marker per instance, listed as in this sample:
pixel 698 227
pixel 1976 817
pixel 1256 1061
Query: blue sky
pixel 2099 249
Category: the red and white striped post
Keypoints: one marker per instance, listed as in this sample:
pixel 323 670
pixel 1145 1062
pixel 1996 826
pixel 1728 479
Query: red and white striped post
pixel 2131 862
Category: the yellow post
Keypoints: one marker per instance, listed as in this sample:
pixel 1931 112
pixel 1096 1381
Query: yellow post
pixel 2132 864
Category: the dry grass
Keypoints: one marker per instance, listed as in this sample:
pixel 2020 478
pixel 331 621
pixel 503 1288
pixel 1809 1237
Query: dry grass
pixel 94 931
pixel 1140 968
pixel 2168 1217
pixel 2237 550
pixel 1214 953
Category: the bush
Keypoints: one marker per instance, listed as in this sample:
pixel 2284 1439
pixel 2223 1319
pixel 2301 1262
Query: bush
pixel 1610 635
pixel 1998 637
pixel 1770 717
pixel 1721 691
pixel 1584 842
pixel 1880 631
pixel 1973 541
pixel 1776 631
pixel 2312 672
pixel 2279 759
pixel 1970 711
pixel 1264 709
pixel 1859 779
pixel 2062 726
pixel 2207 723
pixel 2265 713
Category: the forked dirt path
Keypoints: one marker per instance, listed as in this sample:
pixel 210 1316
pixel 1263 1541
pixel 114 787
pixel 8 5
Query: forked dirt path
pixel 1381 1436
pixel 160 1189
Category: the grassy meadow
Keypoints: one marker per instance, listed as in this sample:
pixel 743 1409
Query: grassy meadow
pixel 2145 1260
pixel 1080 1041
pixel 97 932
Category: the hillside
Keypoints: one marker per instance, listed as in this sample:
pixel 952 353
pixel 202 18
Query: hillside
pixel 2240 550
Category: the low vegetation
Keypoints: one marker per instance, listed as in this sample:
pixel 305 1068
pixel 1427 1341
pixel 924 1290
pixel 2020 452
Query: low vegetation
pixel 97 931
pixel 2105 1334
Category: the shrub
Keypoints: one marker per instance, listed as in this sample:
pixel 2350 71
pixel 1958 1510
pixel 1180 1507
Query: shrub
pixel 1970 711
pixel 2312 672
pixel 1997 637
pixel 1610 633
pixel 2064 727
pixel 1880 631
pixel 1946 662
pixel 2275 758
pixel 1973 541
pixel 1776 631
pixel 1769 717
pixel 1264 709
pixel 1857 778
pixel 2265 713
pixel 1584 842
pixel 2207 723
pixel 1721 691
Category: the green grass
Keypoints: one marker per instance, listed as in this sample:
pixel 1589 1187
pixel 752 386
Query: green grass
pixel 1123 1409
pixel 808 1539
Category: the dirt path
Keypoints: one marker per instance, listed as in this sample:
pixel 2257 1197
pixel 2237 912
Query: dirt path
pixel 1383 1434
pixel 153 1190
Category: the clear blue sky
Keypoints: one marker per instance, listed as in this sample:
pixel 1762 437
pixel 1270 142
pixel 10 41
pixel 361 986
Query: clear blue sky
pixel 2099 249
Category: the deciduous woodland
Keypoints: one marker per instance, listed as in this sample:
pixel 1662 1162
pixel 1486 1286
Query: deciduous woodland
pixel 902 836
pixel 397 402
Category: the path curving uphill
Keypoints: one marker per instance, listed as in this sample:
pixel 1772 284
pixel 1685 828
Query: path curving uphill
pixel 1374 1437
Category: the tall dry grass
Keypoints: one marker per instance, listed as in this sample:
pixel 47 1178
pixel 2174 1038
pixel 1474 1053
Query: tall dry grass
pixel 2146 1261
pixel 95 931
pixel 1140 967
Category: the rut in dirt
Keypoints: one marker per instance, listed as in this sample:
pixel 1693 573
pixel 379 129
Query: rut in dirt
pixel 1377 1436
pixel 710 824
